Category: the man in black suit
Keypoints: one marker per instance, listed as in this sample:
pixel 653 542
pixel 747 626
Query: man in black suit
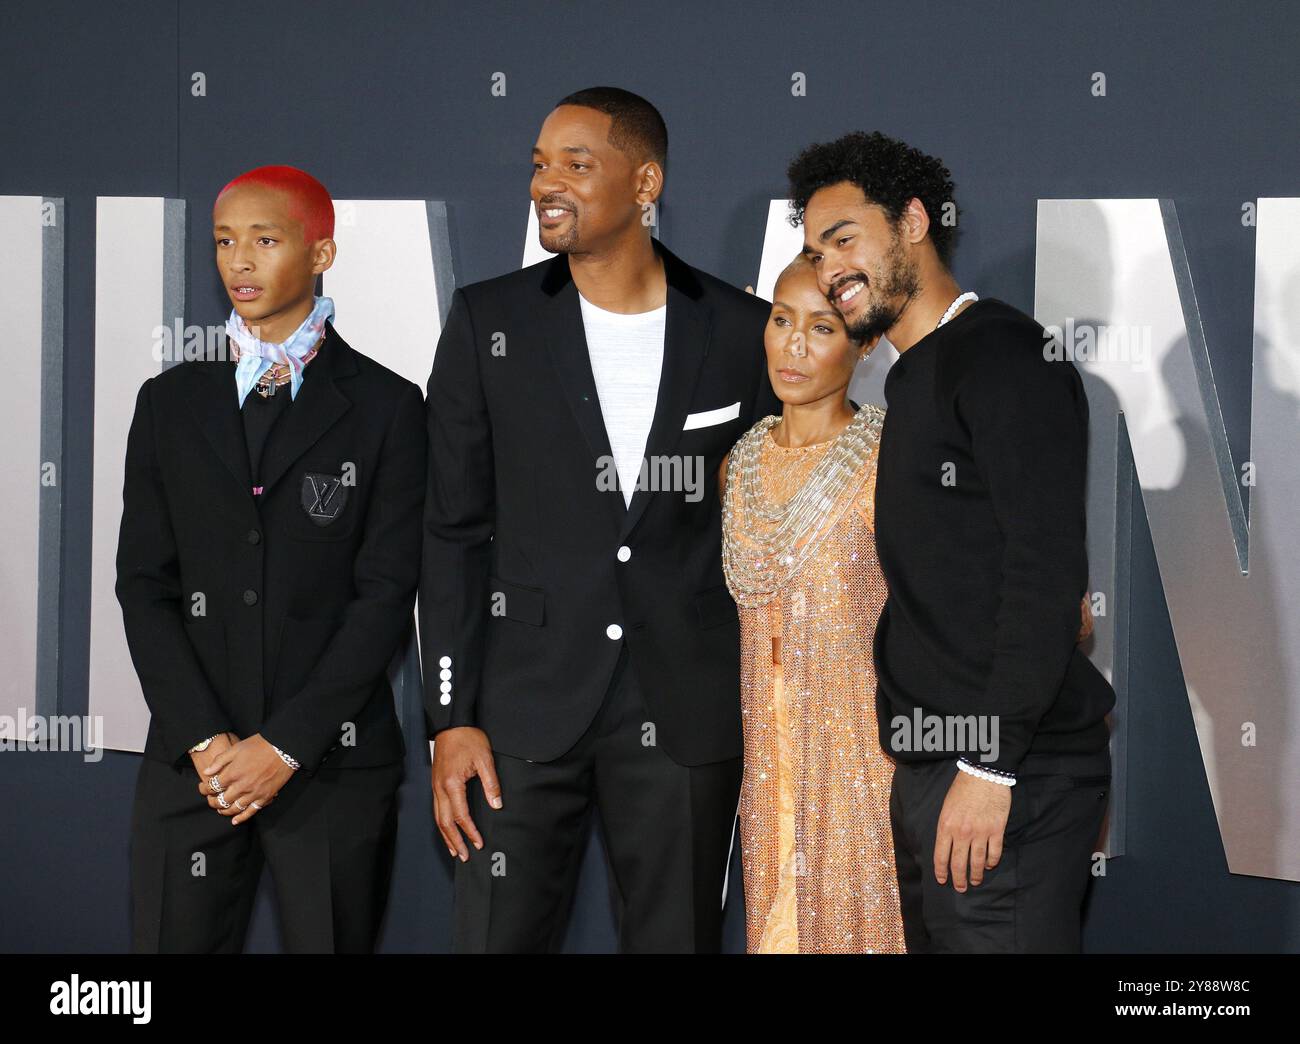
pixel 580 647
pixel 267 569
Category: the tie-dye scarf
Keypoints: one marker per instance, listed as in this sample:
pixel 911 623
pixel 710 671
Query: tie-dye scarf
pixel 256 357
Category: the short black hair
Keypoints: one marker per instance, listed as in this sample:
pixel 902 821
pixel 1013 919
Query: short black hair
pixel 637 130
pixel 890 174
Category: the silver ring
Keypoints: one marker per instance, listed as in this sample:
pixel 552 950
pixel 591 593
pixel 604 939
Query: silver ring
pixel 240 805
pixel 215 784
pixel 221 800
pixel 257 806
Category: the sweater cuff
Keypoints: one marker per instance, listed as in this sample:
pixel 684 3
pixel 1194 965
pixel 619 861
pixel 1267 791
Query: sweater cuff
pixel 1012 746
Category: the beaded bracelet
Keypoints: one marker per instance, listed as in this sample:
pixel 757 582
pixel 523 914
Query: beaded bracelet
pixel 1007 779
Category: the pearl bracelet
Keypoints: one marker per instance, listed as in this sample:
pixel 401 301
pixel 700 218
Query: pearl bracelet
pixel 992 775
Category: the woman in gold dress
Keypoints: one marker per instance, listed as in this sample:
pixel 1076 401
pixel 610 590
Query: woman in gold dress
pixel 800 560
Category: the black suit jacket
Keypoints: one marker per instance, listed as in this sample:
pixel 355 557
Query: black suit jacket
pixel 275 614
pixel 523 582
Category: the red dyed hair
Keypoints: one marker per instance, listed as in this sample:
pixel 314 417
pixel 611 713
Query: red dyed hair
pixel 309 202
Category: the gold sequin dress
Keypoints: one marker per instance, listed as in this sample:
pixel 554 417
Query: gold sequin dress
pixel 816 845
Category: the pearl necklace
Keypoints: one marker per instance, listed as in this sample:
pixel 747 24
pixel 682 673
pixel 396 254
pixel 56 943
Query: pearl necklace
pixel 969 295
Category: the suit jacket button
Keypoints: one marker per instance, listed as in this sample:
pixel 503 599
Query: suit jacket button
pixel 254 537
pixel 250 597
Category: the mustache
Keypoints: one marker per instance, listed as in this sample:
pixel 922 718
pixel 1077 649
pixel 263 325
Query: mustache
pixel 840 284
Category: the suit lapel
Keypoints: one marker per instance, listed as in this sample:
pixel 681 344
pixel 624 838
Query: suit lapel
pixel 686 334
pixel 317 408
pixel 686 338
pixel 215 408
pixel 566 341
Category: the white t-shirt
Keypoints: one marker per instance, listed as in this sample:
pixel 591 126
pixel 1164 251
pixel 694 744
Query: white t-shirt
pixel 627 355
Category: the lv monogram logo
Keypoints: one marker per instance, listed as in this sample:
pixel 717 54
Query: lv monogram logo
pixel 323 497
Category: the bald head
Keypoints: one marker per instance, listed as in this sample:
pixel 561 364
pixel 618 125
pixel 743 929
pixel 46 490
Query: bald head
pixel 800 267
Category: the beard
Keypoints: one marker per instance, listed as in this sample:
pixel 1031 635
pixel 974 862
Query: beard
pixel 565 242
pixel 890 293
pixel 562 243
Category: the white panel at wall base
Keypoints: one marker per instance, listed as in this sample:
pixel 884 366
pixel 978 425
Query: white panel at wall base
pixel 20 461
pixel 383 283
pixel 1275 532
pixel 391 284
pixel 781 244
pixel 133 270
pixel 1113 278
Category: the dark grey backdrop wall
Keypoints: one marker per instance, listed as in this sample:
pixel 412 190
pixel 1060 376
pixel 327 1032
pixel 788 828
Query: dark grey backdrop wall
pixel 394 100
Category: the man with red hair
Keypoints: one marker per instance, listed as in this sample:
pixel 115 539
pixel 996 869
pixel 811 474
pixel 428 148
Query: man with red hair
pixel 267 567
pixel 306 199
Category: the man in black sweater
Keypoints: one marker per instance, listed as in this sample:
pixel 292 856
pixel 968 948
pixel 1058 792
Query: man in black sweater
pixel 996 718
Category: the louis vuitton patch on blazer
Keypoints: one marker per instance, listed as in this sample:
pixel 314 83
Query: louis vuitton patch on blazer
pixel 323 497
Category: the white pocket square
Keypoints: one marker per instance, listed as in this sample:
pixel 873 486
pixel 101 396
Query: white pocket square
pixel 710 417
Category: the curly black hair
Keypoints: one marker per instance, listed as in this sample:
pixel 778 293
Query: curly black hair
pixel 889 172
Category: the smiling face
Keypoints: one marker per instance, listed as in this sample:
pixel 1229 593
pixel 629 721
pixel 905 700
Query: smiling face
pixel 809 352
pixel 588 194
pixel 268 269
pixel 863 264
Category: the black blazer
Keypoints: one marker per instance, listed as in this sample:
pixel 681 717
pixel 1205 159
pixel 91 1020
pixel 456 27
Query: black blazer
pixel 526 598
pixel 303 600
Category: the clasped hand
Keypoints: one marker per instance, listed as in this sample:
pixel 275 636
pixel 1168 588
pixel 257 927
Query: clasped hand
pixel 249 774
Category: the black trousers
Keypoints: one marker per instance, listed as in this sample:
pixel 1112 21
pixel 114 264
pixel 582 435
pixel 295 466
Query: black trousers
pixel 667 830
pixel 1031 902
pixel 328 839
